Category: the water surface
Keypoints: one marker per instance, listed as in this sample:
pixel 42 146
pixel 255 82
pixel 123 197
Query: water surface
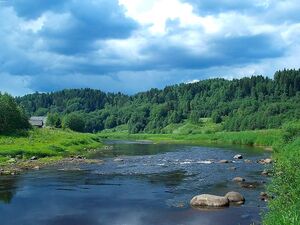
pixel 152 185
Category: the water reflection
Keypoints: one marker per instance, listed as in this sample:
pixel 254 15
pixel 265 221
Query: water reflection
pixel 152 185
pixel 8 186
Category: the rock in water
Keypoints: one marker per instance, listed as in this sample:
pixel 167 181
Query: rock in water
pixel 268 161
pixel 223 161
pixel 235 197
pixel 238 156
pixel 265 161
pixel 238 179
pixel 248 184
pixel 265 172
pixel 264 196
pixel 118 160
pixel 206 200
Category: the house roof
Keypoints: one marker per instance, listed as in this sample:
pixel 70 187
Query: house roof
pixel 37 120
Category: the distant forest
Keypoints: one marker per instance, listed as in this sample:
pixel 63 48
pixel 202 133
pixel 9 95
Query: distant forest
pixel 249 103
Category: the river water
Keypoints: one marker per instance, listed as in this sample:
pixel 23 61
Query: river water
pixel 153 184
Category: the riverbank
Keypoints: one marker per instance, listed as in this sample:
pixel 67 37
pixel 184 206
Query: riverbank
pixel 41 147
pixel 285 185
pixel 259 138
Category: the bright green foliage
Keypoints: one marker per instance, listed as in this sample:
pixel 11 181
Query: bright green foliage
pixel 54 120
pixel 284 209
pixel 195 117
pixel 73 121
pixel 12 117
pixel 45 143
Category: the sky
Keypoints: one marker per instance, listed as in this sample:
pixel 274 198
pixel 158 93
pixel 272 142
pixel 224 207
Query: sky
pixel 134 45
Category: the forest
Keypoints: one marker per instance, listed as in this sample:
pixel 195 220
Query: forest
pixel 248 103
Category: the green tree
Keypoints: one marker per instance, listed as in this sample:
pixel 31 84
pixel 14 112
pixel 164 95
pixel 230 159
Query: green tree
pixel 12 117
pixel 54 120
pixel 74 121
pixel 110 122
pixel 216 117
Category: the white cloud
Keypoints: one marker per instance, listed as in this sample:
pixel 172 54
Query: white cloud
pixel 156 13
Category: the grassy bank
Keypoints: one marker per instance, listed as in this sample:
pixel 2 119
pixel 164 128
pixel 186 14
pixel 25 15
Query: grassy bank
pixel 48 143
pixel 285 186
pixel 265 138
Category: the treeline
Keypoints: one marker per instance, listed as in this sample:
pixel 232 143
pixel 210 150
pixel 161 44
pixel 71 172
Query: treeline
pixel 255 102
pixel 12 117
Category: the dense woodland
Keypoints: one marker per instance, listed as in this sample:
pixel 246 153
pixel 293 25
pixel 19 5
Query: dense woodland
pixel 249 103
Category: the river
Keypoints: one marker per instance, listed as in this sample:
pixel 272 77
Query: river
pixel 149 184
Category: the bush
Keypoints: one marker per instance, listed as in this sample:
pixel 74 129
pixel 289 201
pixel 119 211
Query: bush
pixel 53 120
pixel 291 131
pixel 74 121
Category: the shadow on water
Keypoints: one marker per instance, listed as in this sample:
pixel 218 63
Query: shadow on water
pixel 168 179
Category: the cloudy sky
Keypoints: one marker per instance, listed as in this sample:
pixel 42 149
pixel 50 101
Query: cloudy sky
pixel 133 45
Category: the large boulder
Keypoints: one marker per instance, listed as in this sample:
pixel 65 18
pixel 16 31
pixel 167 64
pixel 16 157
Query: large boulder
pixel 235 197
pixel 206 200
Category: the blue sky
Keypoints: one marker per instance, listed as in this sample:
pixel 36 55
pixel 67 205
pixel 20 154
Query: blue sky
pixel 134 45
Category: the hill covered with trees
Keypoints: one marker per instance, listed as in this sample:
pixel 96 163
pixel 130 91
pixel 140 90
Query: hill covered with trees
pixel 249 103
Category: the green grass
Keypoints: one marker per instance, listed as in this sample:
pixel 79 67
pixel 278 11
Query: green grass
pixel 250 138
pixel 206 132
pixel 46 143
pixel 285 185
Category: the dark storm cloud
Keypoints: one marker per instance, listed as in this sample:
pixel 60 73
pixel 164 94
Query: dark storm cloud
pixel 87 22
pixel 54 44
pixel 222 52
